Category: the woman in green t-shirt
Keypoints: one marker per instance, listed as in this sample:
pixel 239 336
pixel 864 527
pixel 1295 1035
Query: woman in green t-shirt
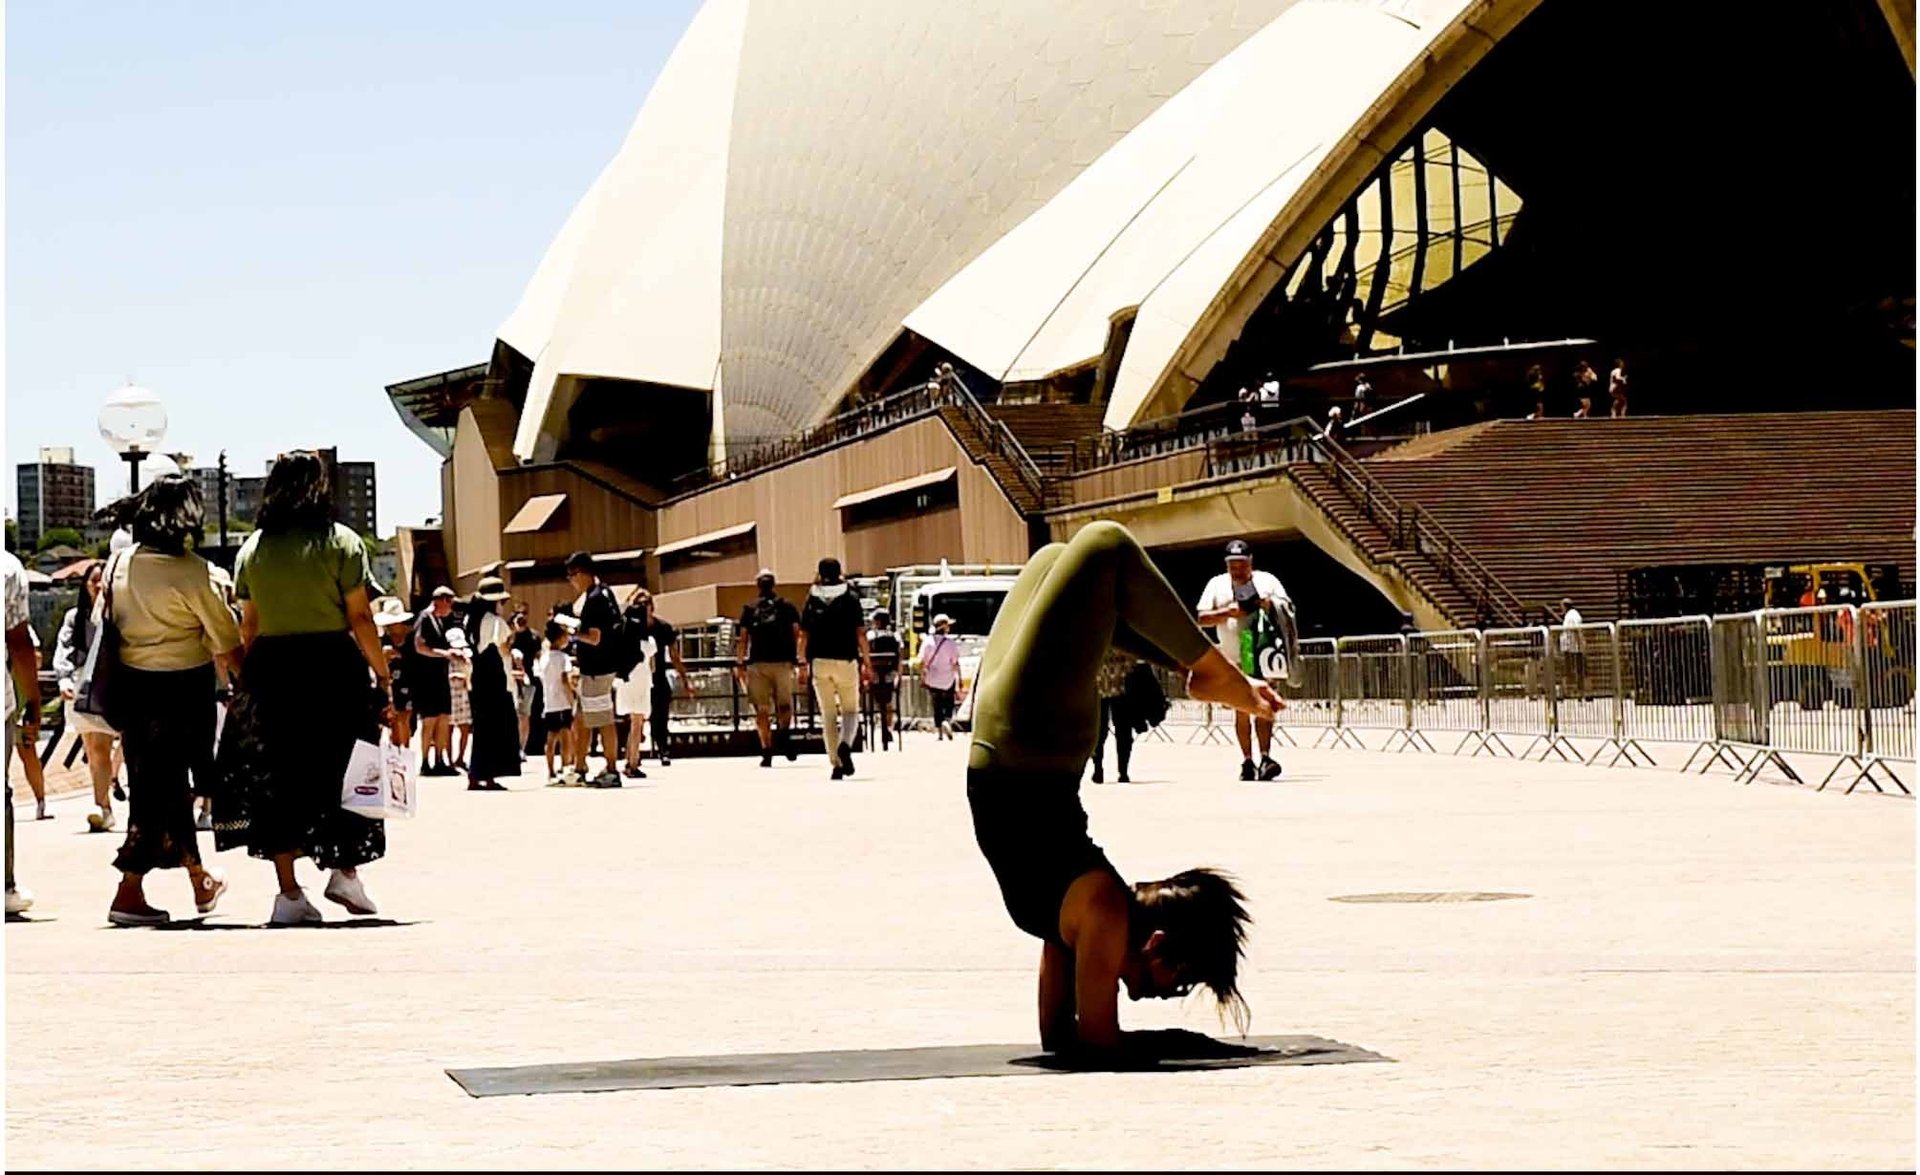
pixel 317 680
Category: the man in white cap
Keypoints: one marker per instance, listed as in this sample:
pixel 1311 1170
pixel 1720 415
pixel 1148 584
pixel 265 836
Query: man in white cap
pixel 765 654
pixel 1239 593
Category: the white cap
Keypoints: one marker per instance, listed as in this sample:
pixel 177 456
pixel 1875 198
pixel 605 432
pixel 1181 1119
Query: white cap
pixel 942 618
pixel 121 540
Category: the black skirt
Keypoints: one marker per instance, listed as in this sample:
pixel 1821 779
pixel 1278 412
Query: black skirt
pixel 302 703
pixel 168 733
pixel 495 751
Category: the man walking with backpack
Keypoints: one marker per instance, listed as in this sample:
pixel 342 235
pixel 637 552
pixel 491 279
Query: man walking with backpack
pixel 765 651
pixel 597 653
pixel 833 632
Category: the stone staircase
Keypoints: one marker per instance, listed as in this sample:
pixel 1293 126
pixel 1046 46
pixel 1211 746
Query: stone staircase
pixel 1382 548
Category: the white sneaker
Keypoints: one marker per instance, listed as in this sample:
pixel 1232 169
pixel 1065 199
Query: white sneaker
pixel 101 821
pixel 348 892
pixel 204 822
pixel 294 911
pixel 19 901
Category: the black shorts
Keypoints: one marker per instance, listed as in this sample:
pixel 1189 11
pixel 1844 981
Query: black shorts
pixel 555 721
pixel 432 696
pixel 1032 829
pixel 882 691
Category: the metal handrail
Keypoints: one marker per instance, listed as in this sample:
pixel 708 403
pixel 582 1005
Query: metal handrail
pixel 1413 528
pixel 996 435
pixel 923 399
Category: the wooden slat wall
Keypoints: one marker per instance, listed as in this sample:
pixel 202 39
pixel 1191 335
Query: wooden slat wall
pixel 873 548
pixel 1139 476
pixel 740 568
pixel 594 518
pixel 793 505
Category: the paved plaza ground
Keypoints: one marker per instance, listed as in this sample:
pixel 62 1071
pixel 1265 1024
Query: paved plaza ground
pixel 1703 975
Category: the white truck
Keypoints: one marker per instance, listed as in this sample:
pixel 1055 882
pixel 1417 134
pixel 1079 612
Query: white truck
pixel 970 594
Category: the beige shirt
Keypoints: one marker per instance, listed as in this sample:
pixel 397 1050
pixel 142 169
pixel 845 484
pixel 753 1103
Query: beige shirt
pixel 171 610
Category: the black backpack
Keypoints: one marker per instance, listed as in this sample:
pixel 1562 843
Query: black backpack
pixel 628 639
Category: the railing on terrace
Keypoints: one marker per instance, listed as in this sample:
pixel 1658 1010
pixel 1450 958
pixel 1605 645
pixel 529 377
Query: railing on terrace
pixel 926 399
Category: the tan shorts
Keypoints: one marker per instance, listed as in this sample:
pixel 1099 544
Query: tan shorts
pixel 770 684
pixel 594 703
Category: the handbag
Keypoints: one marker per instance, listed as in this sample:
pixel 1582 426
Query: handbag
pixel 380 783
pixel 94 693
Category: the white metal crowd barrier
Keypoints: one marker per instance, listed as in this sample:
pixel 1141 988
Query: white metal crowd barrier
pixel 1740 692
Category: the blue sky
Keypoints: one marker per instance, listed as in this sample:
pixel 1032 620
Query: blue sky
pixel 268 211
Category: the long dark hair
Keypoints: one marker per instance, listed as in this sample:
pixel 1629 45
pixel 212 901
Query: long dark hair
pixel 83 605
pixel 1204 917
pixel 167 515
pixel 297 496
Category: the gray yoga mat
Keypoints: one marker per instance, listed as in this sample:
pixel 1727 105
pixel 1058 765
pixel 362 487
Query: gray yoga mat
pixel 970 1060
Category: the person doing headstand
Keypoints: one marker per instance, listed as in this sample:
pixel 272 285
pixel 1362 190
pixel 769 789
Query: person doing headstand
pixel 1037 712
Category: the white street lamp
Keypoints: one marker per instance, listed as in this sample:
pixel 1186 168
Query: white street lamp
pixel 134 422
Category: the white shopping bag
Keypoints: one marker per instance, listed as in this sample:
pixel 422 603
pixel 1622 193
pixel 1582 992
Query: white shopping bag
pixel 380 781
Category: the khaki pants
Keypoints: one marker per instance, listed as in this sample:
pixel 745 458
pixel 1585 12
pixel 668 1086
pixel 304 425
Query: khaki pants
pixel 836 684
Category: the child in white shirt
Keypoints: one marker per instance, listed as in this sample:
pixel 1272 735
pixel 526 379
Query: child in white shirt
pixel 555 669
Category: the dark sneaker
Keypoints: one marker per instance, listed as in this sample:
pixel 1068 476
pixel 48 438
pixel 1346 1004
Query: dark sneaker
pixel 666 760
pixel 635 773
pixel 839 772
pixel 786 746
pixel 1099 776
pixel 1247 771
pixel 607 779
pixel 1269 770
pixel 766 760
pixel 1123 778
pixel 846 758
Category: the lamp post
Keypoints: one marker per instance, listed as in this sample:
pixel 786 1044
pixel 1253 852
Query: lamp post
pixel 133 422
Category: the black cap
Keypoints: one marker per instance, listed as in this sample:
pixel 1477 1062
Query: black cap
pixel 1238 549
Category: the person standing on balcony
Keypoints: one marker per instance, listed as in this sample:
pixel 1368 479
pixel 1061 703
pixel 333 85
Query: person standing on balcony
pixel 1229 598
pixel 1537 392
pixel 833 653
pixel 765 650
pixel 1617 389
pixel 1586 384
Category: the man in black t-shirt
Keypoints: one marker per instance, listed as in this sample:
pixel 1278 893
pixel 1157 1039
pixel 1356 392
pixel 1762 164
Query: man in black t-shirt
pixel 523 651
pixel 432 693
pixel 598 660
pixel 765 651
pixel 833 634
pixel 883 648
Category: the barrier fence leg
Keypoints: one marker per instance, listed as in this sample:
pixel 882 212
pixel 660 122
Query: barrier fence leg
pixel 1841 764
pixel 1866 775
pixel 1767 757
